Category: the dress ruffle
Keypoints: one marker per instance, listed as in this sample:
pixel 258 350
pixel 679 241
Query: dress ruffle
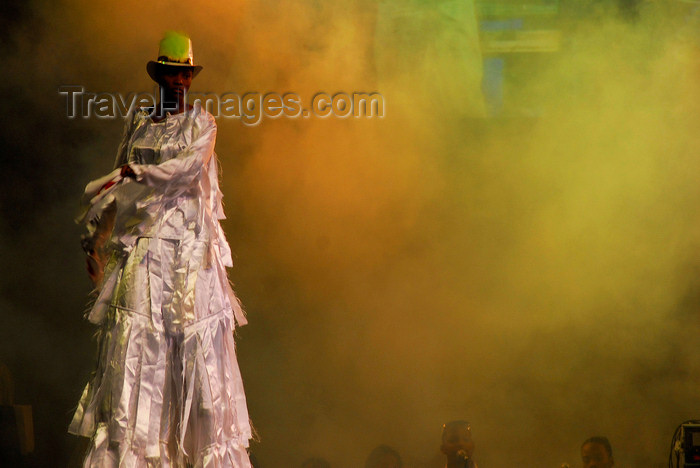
pixel 164 401
pixel 222 456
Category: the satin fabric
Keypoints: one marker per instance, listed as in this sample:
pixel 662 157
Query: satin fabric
pixel 167 391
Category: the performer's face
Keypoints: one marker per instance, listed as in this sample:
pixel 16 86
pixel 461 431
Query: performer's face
pixel 594 455
pixel 456 438
pixel 175 82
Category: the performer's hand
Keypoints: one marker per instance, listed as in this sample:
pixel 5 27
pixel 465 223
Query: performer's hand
pixel 127 171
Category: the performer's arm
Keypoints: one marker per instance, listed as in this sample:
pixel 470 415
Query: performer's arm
pixel 179 173
pixel 122 153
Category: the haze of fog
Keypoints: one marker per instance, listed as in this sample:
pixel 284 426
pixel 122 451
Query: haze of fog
pixel 536 274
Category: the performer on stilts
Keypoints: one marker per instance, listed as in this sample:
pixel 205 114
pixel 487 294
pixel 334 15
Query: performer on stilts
pixel 167 391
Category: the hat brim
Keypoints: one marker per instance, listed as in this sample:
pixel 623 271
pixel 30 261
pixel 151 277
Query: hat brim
pixel 152 68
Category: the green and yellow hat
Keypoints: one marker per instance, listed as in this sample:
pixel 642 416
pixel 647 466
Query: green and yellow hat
pixel 175 51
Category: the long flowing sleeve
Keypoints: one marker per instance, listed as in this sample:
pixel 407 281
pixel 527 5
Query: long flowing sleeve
pixel 122 151
pixel 178 174
pixel 97 195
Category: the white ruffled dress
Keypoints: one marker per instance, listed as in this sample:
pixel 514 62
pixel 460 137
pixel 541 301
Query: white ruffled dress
pixel 167 391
